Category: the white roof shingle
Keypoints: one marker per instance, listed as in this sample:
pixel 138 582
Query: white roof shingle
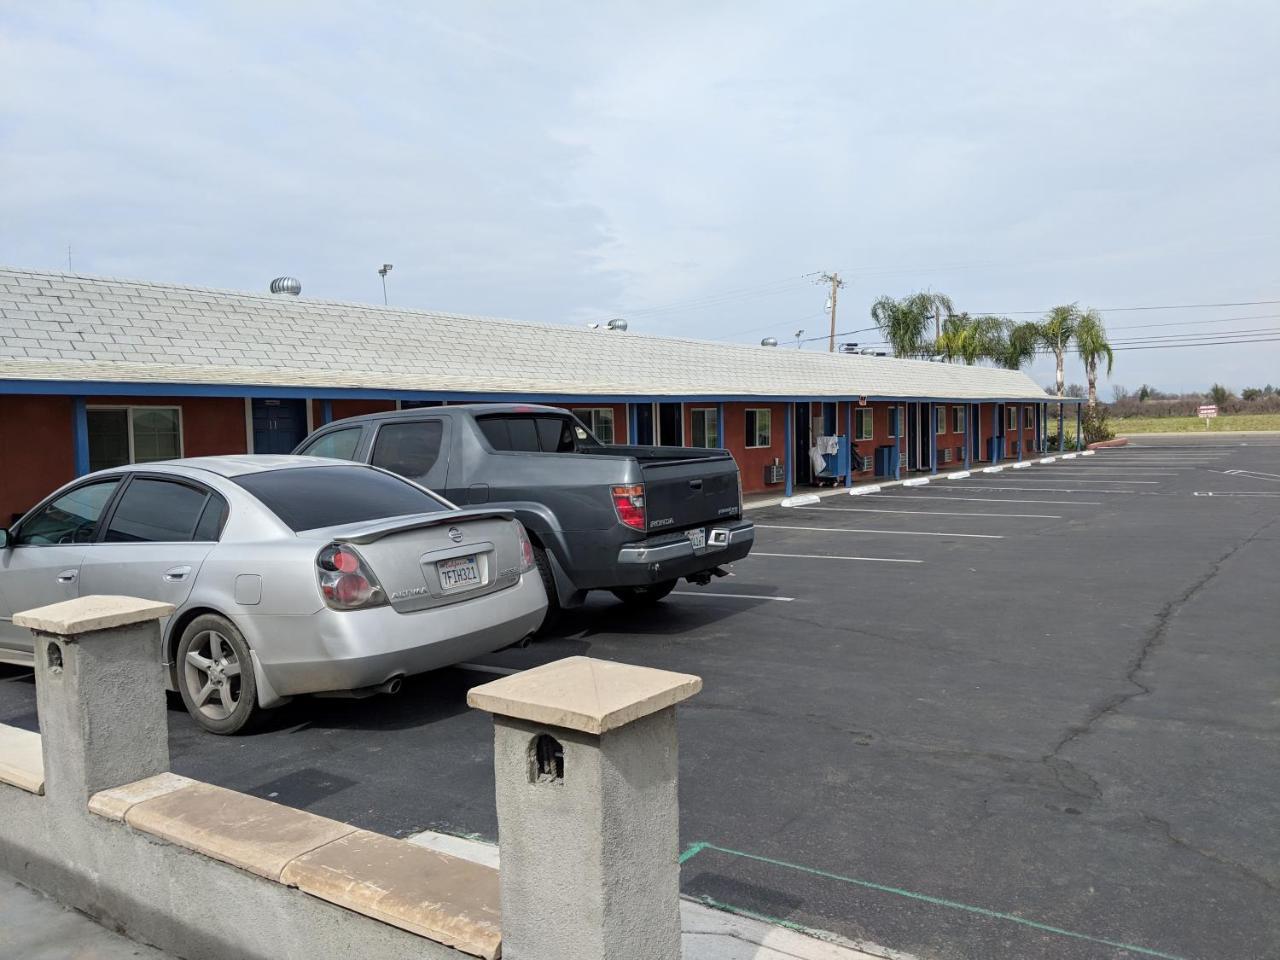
pixel 56 326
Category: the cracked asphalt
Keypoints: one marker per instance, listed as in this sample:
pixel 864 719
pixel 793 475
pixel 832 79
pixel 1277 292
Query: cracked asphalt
pixel 1076 725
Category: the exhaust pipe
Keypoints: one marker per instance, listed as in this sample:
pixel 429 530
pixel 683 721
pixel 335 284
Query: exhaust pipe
pixel 391 687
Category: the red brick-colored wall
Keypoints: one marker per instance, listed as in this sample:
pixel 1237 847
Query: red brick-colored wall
pixel 36 454
pixel 620 425
pixel 349 408
pixel 39 453
pixel 752 461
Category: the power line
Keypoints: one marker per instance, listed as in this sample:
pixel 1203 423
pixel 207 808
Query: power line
pixel 1167 306
pixel 1192 323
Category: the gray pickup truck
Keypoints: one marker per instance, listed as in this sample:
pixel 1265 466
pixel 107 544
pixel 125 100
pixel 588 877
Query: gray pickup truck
pixel 631 520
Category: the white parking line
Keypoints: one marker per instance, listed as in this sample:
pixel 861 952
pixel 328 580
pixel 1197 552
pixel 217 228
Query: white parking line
pixel 890 533
pixel 938 513
pixel 730 596
pixel 1065 503
pixel 1151 493
pixel 824 556
pixel 1069 480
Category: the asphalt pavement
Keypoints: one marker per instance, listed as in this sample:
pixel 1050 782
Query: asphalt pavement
pixel 1024 714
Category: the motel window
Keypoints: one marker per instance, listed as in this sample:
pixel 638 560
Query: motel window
pixel 705 426
pixel 940 420
pixel 957 419
pixel 863 424
pixel 1031 417
pixel 121 435
pixel 759 431
pixel 1011 418
pixel 599 420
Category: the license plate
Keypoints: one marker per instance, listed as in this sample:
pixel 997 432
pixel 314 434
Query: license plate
pixel 698 538
pixel 459 572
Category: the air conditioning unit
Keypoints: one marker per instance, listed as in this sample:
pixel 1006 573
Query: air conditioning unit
pixel 773 473
pixel 947 454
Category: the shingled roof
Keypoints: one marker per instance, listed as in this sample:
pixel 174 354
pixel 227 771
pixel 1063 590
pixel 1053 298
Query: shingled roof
pixel 60 326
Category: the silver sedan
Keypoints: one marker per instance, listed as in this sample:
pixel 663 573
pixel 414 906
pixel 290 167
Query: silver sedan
pixel 290 575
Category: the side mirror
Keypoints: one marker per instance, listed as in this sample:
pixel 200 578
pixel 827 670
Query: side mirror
pixel 4 539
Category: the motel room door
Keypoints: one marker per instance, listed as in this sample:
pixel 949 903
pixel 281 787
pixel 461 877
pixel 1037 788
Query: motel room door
pixel 278 425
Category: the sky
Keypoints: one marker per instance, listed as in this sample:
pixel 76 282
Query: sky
pixel 689 167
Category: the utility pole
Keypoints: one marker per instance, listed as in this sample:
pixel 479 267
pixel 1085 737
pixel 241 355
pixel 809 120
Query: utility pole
pixel 836 284
pixel 382 272
pixel 69 270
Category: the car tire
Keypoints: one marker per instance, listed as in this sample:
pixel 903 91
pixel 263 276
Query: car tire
pixel 543 563
pixel 646 596
pixel 215 675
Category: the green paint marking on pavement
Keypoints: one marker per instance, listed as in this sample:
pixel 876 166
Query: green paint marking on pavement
pixel 697 848
pixel 693 851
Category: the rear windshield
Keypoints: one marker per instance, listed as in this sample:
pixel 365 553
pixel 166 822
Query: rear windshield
pixel 309 497
pixel 537 433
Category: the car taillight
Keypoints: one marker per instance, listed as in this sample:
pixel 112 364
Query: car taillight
pixel 629 502
pixel 345 580
pixel 526 548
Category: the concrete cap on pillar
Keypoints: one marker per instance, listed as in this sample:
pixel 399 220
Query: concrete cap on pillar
pixel 584 694
pixel 88 614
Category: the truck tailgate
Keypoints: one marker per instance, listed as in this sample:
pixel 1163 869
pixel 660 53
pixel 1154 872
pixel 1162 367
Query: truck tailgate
pixel 691 492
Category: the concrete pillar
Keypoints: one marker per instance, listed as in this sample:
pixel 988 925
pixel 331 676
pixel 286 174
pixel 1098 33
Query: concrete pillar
pixel 99 694
pixel 1079 427
pixel 588 820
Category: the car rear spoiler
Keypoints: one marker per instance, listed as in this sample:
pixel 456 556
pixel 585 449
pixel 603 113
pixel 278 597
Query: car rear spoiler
pixel 378 529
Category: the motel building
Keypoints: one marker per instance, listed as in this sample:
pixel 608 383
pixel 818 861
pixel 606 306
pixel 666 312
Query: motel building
pixel 96 372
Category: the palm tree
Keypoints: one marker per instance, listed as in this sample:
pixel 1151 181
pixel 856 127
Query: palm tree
pixel 1018 345
pixel 904 323
pixel 1056 332
pixel 971 339
pixel 1092 346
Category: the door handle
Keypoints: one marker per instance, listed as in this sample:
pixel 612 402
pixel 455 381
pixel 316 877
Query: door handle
pixel 176 574
pixel 695 484
pixel 68 576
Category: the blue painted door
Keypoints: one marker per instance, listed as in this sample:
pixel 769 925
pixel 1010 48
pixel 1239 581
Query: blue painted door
pixel 278 425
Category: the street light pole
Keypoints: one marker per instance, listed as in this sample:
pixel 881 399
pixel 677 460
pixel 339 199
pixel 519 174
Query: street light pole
pixel 382 272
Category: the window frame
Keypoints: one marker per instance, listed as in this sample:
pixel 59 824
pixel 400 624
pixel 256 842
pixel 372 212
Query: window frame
pixel 1011 417
pixel 1030 422
pixel 959 418
pixel 861 414
pixel 591 422
pixel 320 435
pixel 130 411
pixel 940 428
pixel 751 435
pixel 710 418
pixel 367 456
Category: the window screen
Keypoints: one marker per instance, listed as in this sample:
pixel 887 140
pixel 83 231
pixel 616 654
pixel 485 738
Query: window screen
pixel 155 511
pixel 409 449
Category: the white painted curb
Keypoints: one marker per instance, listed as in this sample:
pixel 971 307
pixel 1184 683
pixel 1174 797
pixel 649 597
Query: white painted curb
pixel 803 500
pixel 959 475
pixel 1021 464
pixel 916 482
pixel 1088 453
pixel 992 469
pixel 862 491
pixel 1069 456
pixel 1048 459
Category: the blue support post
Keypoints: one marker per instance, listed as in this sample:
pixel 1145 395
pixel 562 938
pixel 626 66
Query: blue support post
pixel 631 423
pixel 933 438
pixel 1022 429
pixel 1062 427
pixel 326 412
pixel 787 458
pixel 848 476
pixel 900 419
pixel 968 425
pixel 1079 427
pixel 720 437
pixel 80 435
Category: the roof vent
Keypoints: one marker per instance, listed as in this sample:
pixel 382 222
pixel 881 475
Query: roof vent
pixel 290 285
pixel 769 342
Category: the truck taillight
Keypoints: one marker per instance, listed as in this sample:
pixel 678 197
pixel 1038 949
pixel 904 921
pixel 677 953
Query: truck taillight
pixel 345 580
pixel 526 548
pixel 629 502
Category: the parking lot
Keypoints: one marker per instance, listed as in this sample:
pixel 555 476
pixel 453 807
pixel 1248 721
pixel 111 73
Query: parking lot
pixel 1030 713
